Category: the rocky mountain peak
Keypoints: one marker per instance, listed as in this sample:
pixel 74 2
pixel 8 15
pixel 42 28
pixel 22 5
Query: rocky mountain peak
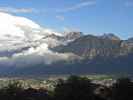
pixel 73 35
pixel 130 39
pixel 110 36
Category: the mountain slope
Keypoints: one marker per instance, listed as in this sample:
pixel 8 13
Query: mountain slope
pixel 91 46
pixel 26 48
pixel 116 60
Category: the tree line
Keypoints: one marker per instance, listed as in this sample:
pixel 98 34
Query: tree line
pixel 74 88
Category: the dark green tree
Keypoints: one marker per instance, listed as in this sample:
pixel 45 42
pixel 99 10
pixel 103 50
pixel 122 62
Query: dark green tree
pixel 74 88
pixel 11 91
pixel 122 89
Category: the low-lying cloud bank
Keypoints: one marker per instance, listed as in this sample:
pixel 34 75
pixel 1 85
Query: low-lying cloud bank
pixel 24 40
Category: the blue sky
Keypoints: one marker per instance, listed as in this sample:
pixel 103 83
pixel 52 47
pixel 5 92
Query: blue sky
pixel 89 16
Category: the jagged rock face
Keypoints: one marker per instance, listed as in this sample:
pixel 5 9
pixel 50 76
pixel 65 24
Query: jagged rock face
pixel 91 46
pixel 110 36
pixel 130 39
pixel 73 35
pixel 126 47
pixel 55 40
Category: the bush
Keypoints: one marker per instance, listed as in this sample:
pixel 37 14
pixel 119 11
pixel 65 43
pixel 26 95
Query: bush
pixel 74 88
pixel 11 91
pixel 122 89
pixel 15 91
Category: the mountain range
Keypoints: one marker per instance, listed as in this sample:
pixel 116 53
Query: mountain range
pixel 26 48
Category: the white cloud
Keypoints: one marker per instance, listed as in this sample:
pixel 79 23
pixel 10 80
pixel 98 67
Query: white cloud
pixel 77 6
pixel 35 56
pixel 62 18
pixel 17 33
pixel 10 26
pixel 17 10
pixel 71 29
pixel 86 3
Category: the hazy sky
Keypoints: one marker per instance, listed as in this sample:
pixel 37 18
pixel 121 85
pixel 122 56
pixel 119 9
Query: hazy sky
pixel 89 16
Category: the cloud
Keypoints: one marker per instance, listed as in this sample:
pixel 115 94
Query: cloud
pixel 62 18
pixel 85 3
pixel 25 43
pixel 35 56
pixel 77 6
pixel 17 10
pixel 71 29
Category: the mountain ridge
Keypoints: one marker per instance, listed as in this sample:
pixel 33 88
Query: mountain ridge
pixel 27 48
pixel 100 64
